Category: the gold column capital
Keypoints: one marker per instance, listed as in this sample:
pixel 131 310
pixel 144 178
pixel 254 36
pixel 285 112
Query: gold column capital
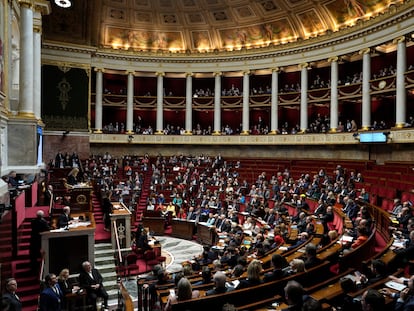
pixel 304 65
pixel 160 74
pixel 42 6
pixel 246 72
pixel 399 40
pixel 189 74
pixel 26 3
pixel 333 59
pixel 97 69
pixel 37 29
pixel 217 73
pixel 364 51
pixel 276 69
pixel 127 72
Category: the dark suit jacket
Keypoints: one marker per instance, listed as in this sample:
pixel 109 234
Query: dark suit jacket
pixel 63 220
pixel 49 300
pixel 275 275
pixel 10 300
pixel 407 305
pixel 86 281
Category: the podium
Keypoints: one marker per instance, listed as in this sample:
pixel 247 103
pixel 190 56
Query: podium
pixel 121 223
pixel 69 248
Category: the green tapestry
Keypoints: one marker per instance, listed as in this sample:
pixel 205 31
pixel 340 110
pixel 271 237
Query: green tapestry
pixel 65 98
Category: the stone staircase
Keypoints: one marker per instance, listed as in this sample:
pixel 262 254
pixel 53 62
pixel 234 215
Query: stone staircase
pixel 105 263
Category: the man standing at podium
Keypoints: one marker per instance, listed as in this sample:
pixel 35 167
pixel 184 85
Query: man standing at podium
pixel 91 280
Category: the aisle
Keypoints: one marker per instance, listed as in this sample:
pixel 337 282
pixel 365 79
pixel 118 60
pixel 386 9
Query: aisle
pixel 179 250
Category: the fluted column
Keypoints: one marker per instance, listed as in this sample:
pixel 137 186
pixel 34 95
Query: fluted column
pixel 98 100
pixel 334 93
pixel 189 104
pixel 26 59
pixel 160 100
pixel 246 93
pixel 217 103
pixel 274 117
pixel 130 103
pixel 304 97
pixel 401 97
pixel 366 96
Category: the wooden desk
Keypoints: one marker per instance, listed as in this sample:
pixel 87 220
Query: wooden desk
pixel 182 229
pixel 155 224
pixel 121 221
pixel 206 234
pixel 69 248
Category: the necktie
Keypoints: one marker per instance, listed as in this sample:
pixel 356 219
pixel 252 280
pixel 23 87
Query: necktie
pixel 17 297
pixel 55 289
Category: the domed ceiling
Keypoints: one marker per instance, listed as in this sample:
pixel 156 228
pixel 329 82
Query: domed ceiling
pixel 204 25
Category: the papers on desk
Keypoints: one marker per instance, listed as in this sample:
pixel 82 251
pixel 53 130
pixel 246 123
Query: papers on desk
pixel 346 238
pixel 233 284
pixel 394 285
pixel 399 243
pixel 79 224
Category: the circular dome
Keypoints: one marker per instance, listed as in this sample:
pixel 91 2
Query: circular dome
pixel 189 26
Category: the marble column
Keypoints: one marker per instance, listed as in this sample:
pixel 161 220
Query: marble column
pixel 217 103
pixel 26 60
pixel 304 97
pixel 160 101
pixel 366 96
pixel 130 103
pixel 37 73
pixel 274 117
pixel 334 93
pixel 401 96
pixel 246 110
pixel 98 100
pixel 189 104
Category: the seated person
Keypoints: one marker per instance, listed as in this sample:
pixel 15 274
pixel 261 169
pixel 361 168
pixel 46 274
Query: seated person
pixel 184 292
pixel 219 284
pixel 206 276
pixel 91 280
pixel 278 262
pixel 66 286
pixel 254 270
pixel 310 256
pixel 64 219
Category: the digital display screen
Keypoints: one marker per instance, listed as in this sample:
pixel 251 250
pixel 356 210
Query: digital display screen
pixel 372 137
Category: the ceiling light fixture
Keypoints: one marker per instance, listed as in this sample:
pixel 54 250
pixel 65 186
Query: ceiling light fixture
pixel 63 3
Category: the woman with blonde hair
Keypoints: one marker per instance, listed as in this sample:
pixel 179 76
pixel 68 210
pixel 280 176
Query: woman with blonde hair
pixel 254 270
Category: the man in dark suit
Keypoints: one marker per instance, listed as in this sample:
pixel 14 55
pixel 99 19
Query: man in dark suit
pixel 38 225
pixel 64 219
pixel 219 279
pixel 51 297
pixel 278 262
pixel 91 280
pixel 9 298
pixel 310 253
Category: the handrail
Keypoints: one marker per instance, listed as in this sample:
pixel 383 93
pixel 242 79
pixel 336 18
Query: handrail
pixel 42 265
pixel 118 247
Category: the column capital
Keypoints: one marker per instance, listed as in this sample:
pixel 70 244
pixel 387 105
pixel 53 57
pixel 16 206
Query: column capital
pixel 189 74
pixel 276 69
pixel 217 73
pixel 42 6
pixel 304 65
pixel 160 73
pixel 97 69
pixel 26 3
pixel 333 59
pixel 364 51
pixel 246 72
pixel 128 72
pixel 399 40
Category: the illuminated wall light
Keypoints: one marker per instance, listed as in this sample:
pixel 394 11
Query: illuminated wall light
pixel 63 3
